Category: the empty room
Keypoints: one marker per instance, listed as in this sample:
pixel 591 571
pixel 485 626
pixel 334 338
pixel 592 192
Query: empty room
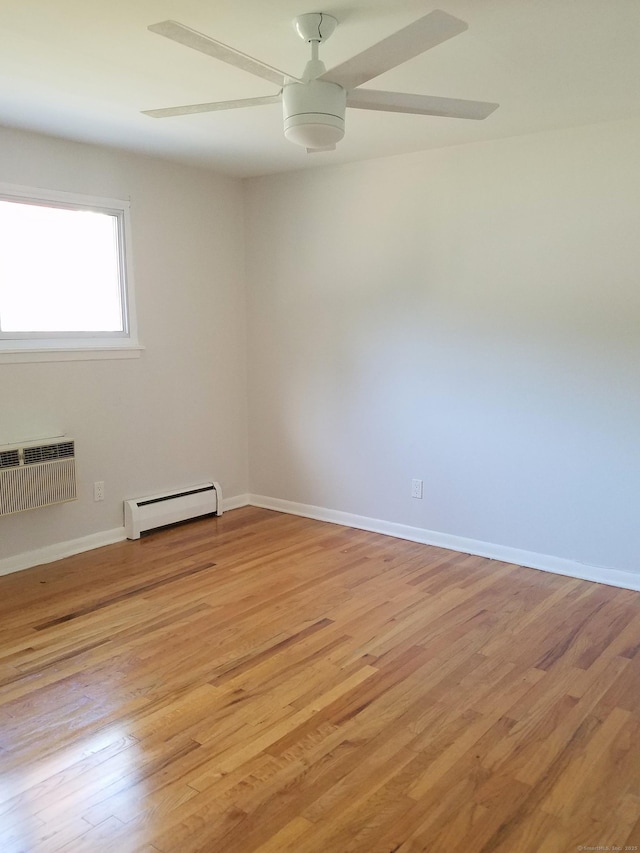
pixel 319 419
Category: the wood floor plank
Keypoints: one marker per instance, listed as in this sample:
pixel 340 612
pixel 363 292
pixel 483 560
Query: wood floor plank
pixel 264 682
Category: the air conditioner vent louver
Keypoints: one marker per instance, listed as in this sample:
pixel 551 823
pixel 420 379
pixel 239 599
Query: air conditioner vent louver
pixel 9 458
pixel 37 474
pixel 48 452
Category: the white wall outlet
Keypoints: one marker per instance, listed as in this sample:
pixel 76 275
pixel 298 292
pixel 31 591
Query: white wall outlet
pixel 98 490
pixel 416 488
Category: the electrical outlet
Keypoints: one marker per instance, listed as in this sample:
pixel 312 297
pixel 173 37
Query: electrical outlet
pixel 98 490
pixel 416 488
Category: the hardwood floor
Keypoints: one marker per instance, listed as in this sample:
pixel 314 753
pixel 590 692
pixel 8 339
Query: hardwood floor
pixel 261 682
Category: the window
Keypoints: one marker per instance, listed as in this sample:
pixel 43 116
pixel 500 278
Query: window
pixel 65 284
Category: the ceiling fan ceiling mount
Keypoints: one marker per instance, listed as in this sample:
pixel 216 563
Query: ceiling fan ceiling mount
pixel 315 26
pixel 314 104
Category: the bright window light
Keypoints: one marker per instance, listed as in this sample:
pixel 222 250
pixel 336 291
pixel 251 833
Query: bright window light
pixel 60 270
pixel 66 285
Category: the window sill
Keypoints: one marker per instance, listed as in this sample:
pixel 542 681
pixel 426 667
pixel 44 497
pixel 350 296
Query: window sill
pixel 88 353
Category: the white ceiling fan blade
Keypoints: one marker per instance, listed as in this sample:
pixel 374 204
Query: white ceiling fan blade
pixel 425 33
pixel 212 107
pixel 191 38
pixel 319 150
pixel 428 105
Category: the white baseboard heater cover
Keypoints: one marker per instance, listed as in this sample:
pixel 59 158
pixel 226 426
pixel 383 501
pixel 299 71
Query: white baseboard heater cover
pixel 142 514
pixel 37 473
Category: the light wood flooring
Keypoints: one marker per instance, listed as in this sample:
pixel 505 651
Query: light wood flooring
pixel 261 682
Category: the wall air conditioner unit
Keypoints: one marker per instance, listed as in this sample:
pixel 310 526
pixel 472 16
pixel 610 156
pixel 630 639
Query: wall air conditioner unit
pixel 37 473
pixel 153 511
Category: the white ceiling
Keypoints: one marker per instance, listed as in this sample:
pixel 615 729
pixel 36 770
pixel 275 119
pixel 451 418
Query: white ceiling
pixel 84 69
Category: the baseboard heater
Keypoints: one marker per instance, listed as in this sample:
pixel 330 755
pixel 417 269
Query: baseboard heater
pixel 143 514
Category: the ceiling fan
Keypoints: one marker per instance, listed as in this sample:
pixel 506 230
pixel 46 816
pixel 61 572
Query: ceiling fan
pixel 314 104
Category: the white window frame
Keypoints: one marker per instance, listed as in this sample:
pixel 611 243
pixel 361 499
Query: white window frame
pixel 73 346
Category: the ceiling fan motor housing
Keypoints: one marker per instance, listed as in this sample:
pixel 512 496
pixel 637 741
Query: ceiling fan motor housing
pixel 314 113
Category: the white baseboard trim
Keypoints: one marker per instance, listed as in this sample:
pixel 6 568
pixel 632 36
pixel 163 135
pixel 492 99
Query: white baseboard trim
pixel 50 553
pixel 235 502
pixel 515 556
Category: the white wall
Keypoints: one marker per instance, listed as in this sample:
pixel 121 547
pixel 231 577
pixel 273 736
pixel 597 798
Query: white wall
pixel 176 415
pixel 470 317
